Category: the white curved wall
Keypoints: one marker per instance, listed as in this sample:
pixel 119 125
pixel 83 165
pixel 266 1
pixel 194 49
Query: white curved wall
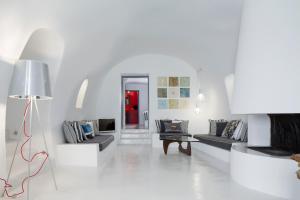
pixel 267 66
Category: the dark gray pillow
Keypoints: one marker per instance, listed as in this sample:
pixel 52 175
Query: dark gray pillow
pixel 220 128
pixel 162 125
pixel 173 127
pixel 216 127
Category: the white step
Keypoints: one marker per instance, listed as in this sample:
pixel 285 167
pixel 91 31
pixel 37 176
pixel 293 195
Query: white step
pixel 135 141
pixel 135 136
pixel 134 131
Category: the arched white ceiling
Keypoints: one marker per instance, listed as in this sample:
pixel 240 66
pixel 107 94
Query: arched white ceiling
pixel 98 34
pixel 202 32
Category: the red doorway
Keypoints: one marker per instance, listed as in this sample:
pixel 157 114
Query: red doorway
pixel 132 107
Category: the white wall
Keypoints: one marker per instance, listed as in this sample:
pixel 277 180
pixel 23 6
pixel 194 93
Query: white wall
pixel 259 130
pixel 5 75
pixel 267 67
pixel 143 98
pixel 109 92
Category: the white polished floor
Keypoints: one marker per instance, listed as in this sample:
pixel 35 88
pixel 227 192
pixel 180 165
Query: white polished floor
pixel 140 172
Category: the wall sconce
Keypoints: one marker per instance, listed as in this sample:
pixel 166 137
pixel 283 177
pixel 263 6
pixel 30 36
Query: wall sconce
pixel 201 96
pixel 197 110
pixel 200 99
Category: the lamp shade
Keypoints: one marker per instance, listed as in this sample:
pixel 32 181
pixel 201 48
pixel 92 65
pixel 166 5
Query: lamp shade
pixel 30 79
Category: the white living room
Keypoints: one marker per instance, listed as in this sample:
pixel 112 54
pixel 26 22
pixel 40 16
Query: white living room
pixel 139 99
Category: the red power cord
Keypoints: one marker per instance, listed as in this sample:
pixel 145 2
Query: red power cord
pixel 28 160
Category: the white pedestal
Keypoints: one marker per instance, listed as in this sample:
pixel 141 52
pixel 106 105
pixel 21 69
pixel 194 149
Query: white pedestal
pixel 84 155
pixel 268 174
pixel 215 152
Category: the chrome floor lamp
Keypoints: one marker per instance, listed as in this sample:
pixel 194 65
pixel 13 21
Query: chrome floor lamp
pixel 30 82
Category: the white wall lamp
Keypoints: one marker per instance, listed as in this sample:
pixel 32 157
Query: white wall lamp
pixel 200 100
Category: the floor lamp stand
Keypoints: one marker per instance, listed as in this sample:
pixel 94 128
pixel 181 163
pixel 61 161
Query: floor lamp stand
pixel 32 101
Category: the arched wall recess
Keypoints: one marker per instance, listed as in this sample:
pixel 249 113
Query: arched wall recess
pixel 81 94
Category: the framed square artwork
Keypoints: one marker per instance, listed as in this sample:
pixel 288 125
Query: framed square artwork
pixel 173 82
pixel 184 104
pixel 173 93
pixel 162 82
pixel 173 103
pixel 184 92
pixel 162 92
pixel 184 81
pixel 162 104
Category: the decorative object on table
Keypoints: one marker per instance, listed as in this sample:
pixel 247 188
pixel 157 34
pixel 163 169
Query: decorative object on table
pixel 296 157
pixel 173 92
pixel 30 82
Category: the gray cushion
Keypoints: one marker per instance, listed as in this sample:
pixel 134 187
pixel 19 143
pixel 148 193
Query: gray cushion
pixel 76 131
pixel 72 132
pixel 102 140
pixel 220 142
pixel 79 131
pixel 69 133
pixel 212 127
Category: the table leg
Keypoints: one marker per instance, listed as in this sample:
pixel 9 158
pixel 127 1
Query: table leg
pixel 187 151
pixel 166 145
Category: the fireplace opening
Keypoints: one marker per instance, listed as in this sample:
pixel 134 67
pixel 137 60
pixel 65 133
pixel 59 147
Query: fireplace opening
pixel 285 135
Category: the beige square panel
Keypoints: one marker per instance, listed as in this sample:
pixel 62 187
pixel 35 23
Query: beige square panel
pixel 173 104
pixel 184 104
pixel 184 81
pixel 162 82
pixel 173 93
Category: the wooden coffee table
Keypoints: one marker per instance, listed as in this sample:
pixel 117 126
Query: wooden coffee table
pixel 167 140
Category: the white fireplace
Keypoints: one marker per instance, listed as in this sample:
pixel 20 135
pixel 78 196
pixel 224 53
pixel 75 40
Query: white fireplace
pixel 266 82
